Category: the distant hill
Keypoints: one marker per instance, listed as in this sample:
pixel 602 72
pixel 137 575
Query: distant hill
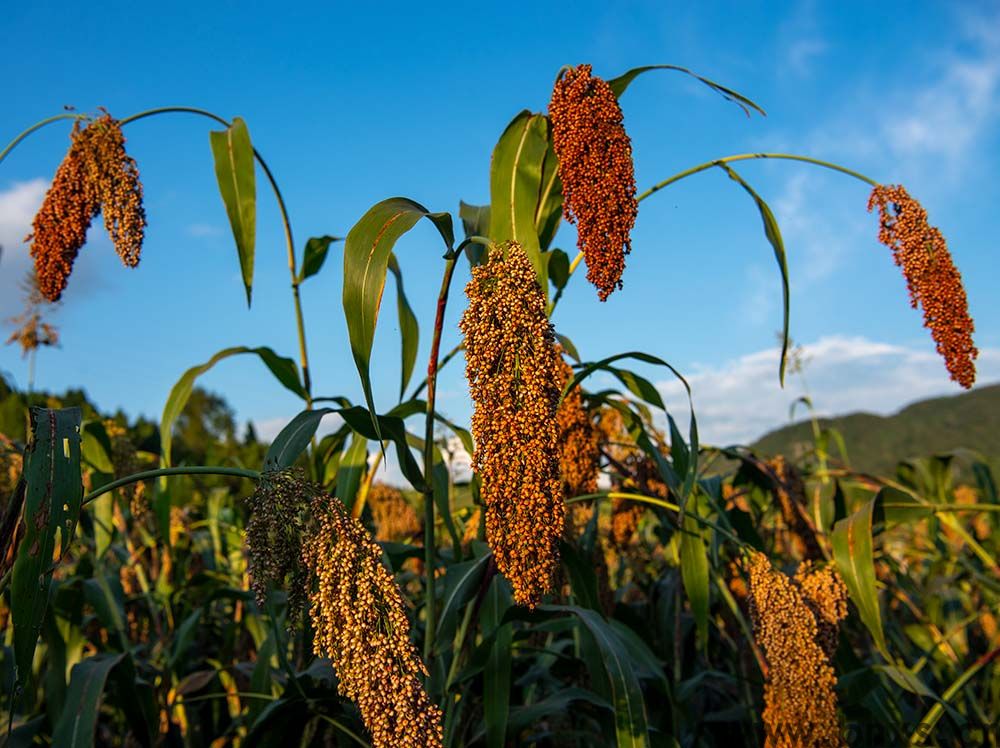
pixel 876 443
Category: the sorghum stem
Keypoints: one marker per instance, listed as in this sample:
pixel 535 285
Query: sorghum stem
pixel 164 472
pixel 286 223
pixel 746 157
pixel 430 551
pixel 36 126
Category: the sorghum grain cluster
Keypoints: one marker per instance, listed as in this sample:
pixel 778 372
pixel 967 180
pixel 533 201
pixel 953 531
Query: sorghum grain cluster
pixel 512 368
pixel 932 279
pixel 800 706
pixel 360 623
pixel 597 173
pixel 96 176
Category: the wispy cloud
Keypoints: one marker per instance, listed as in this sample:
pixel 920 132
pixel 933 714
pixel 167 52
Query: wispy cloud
pixel 18 205
pixel 740 400
pixel 202 230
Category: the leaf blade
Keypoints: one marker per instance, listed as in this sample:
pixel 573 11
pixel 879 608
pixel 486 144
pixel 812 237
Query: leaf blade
pixel 234 170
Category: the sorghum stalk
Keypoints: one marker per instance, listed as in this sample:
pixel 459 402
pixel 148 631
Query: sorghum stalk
pixel 430 544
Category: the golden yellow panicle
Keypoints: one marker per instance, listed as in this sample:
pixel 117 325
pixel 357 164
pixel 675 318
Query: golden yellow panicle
pixel 579 455
pixel 597 173
pixel 800 705
pixel 96 175
pixel 394 516
pixel 360 623
pixel 932 279
pixel 512 368
pixel 826 595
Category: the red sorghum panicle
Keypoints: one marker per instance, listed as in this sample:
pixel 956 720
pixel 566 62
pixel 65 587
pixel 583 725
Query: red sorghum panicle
pixel 512 368
pixel 96 175
pixel 360 623
pixel 931 277
pixel 800 705
pixel 579 456
pixel 597 173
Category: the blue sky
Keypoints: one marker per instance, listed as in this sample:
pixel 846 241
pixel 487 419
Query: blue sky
pixel 351 105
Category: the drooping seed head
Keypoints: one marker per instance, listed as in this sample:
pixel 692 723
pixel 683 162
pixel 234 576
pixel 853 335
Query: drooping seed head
pixel 800 705
pixel 96 175
pixel 512 368
pixel 597 173
pixel 394 516
pixel 932 279
pixel 360 623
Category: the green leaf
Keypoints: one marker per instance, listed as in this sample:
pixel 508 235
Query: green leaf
pixel 351 470
pixel 234 168
pixel 631 724
pixel 773 233
pixel 96 447
pixel 516 186
pixel 497 671
pixel 694 574
pixel 619 84
pixel 550 198
pixel 88 679
pixel 852 550
pixel 315 255
pixel 524 717
pixel 409 329
pixel 460 584
pixel 582 577
pixel 53 494
pixel 475 222
pixel 568 347
pixel 294 438
pixel 558 268
pixel 366 261
pixel 284 369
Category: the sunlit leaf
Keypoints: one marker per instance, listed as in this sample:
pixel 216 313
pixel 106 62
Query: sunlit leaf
pixel 234 169
pixel 367 250
pixel 317 249
pixel 619 84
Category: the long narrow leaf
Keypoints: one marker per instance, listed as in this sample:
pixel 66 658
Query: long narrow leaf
pixel 366 262
pixel 234 170
pixel 619 84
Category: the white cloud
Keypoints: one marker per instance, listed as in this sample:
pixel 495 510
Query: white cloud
pixel 18 205
pixel 740 400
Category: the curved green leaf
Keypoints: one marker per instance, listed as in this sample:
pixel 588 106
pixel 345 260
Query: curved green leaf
pixel 852 550
pixel 409 329
pixel 366 261
pixel 317 249
pixel 549 212
pixel 53 494
pixel 773 233
pixel 351 470
pixel 619 84
pixel 694 574
pixel 88 679
pixel 292 440
pixel 497 671
pixel 234 169
pixel 475 222
pixel 516 186
pixel 460 583
pixel 284 369
pixel 631 723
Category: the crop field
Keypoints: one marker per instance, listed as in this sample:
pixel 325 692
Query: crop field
pixel 570 567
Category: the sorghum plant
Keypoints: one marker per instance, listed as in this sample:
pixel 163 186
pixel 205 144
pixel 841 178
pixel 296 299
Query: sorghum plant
pixel 600 581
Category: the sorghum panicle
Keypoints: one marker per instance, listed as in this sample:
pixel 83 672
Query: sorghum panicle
pixel 394 516
pixel 579 456
pixel 512 368
pixel 360 621
pixel 279 520
pixel 932 279
pixel 597 173
pixel 96 175
pixel 800 706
